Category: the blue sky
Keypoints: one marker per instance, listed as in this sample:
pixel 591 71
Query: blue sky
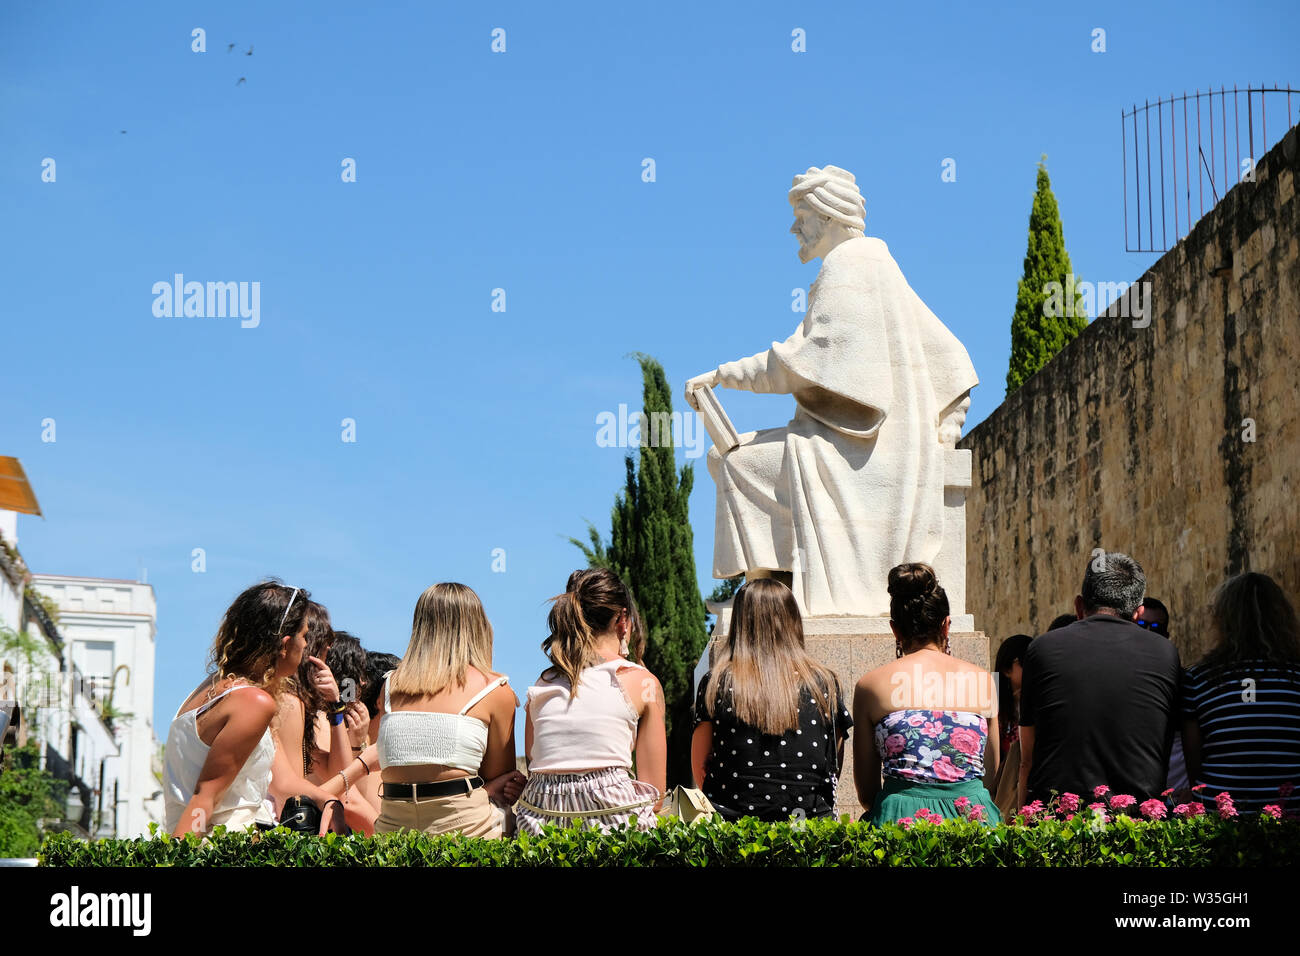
pixel 476 170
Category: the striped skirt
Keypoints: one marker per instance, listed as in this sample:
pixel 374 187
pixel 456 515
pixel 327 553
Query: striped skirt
pixel 604 799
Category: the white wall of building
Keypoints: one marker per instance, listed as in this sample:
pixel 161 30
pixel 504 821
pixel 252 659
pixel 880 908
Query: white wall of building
pixel 11 596
pixel 109 630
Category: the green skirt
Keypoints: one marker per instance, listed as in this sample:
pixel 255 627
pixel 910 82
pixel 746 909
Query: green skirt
pixel 900 798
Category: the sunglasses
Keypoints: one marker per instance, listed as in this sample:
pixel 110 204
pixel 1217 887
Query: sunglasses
pixel 1155 627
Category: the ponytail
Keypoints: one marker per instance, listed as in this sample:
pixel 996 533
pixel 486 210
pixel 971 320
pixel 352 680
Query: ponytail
pixel 588 607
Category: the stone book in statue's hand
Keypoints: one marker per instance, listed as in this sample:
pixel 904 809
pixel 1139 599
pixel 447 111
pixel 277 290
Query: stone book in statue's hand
pixel 715 420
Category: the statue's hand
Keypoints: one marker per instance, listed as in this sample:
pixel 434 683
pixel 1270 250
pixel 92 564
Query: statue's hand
pixel 707 380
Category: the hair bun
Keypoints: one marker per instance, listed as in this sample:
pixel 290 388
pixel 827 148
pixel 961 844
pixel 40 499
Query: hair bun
pixel 910 581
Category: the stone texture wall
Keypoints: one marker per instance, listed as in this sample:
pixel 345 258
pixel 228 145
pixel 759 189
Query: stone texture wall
pixel 1131 439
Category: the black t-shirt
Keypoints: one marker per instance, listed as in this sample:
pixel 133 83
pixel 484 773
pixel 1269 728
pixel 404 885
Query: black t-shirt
pixel 771 777
pixel 1102 697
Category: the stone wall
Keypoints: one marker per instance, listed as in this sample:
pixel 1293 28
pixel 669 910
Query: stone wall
pixel 1132 439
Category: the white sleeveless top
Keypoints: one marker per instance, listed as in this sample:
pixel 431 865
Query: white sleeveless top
pixel 596 729
pixel 244 801
pixel 409 738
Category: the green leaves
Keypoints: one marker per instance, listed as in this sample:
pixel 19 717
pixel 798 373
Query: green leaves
pixel 1201 842
pixel 1041 326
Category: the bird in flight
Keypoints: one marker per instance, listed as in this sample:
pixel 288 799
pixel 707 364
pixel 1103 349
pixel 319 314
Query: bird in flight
pixel 121 131
pixel 229 47
pixel 241 80
pixel 249 51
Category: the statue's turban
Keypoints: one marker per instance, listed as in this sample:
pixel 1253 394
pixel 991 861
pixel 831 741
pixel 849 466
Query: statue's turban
pixel 832 192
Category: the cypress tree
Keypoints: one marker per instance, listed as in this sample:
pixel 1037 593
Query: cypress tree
pixel 1047 317
pixel 651 548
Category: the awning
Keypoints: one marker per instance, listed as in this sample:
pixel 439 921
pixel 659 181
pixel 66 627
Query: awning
pixel 15 493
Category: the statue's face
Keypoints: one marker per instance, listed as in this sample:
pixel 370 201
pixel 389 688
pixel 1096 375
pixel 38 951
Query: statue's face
pixel 810 228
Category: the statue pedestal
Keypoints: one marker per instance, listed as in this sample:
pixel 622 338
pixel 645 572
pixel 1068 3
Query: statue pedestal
pixel 851 646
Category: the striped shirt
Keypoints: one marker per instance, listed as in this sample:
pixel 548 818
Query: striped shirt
pixel 1249 719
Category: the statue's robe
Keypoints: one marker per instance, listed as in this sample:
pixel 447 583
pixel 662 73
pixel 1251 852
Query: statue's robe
pixel 854 484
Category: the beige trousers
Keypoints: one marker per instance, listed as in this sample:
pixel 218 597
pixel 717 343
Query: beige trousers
pixel 469 814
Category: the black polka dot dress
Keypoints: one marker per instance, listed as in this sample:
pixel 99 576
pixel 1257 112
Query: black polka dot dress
pixel 751 774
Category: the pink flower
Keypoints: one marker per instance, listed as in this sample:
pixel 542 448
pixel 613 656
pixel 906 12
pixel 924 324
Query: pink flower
pixel 1167 792
pixel 916 720
pixel 976 813
pixel 1069 817
pixel 1101 791
pixel 924 814
pixel 894 744
pixel 1100 810
pixel 1153 809
pixel 965 740
pixel 1199 786
pixel 1188 810
pixel 1030 811
pixel 1069 802
pixel 906 823
pixel 961 803
pixel 943 769
pixel 1273 810
pixel 932 728
pixel 1224 804
pixel 1121 800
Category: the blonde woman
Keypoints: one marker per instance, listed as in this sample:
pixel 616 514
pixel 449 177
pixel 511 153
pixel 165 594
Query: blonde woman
pixel 770 720
pixel 446 743
pixel 589 713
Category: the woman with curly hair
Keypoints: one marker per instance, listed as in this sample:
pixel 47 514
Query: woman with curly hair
pixel 220 760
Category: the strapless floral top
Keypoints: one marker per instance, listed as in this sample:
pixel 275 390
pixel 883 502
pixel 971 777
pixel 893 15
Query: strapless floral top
pixel 946 746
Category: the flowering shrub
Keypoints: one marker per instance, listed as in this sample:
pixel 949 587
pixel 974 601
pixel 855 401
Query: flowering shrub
pixel 1088 839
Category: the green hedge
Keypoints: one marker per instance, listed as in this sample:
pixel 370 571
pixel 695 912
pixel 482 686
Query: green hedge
pixel 1203 841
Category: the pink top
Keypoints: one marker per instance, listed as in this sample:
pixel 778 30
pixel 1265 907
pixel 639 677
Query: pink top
pixel 595 730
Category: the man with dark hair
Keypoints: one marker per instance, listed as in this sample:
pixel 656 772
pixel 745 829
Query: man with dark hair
pixel 1098 697
pixel 1154 616
pixel 1061 620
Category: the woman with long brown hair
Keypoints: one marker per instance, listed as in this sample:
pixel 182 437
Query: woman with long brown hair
pixel 446 741
pixel 310 729
pixel 1241 702
pixel 589 713
pixel 220 761
pixel 770 720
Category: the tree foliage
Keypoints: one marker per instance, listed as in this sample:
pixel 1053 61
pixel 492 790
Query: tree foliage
pixel 28 795
pixel 651 548
pixel 1045 319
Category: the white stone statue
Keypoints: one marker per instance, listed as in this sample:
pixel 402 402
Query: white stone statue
pixel 855 483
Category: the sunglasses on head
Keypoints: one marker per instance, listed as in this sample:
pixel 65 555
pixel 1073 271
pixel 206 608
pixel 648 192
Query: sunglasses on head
pixel 1154 626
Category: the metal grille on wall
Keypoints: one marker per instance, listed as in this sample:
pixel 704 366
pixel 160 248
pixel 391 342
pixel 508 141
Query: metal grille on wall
pixel 1181 156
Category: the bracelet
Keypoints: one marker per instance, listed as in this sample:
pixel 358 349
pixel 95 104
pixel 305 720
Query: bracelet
pixel 337 706
pixel 346 785
pixel 364 764
pixel 336 718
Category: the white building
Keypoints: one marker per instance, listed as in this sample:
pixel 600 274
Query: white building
pixel 43 696
pixel 11 573
pixel 108 627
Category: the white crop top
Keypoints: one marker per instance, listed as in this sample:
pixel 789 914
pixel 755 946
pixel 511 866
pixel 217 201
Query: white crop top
pixel 409 738
pixel 593 731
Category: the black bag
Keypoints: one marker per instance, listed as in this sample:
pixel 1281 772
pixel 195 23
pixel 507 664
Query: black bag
pixel 301 815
